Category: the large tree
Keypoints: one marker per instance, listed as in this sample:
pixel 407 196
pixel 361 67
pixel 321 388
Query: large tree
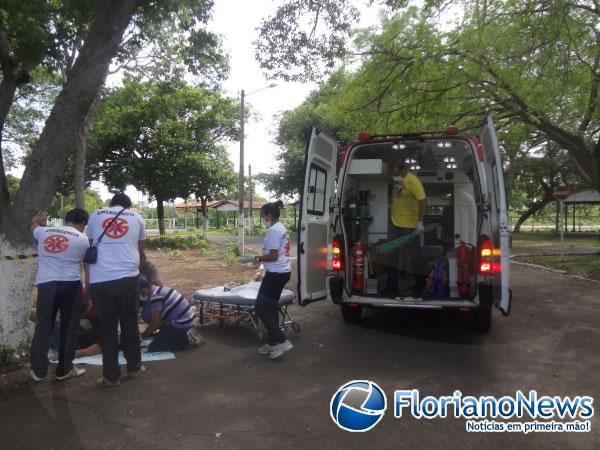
pixel 28 38
pixel 534 62
pixel 155 136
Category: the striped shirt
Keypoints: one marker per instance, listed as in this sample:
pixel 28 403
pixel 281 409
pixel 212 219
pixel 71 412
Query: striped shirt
pixel 174 309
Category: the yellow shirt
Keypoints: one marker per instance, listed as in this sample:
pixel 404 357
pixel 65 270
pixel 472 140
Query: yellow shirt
pixel 405 201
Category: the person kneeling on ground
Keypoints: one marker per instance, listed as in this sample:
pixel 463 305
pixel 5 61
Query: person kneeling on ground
pixel 170 319
pixel 276 258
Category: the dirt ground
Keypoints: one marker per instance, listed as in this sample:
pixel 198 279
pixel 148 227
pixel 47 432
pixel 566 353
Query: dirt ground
pixel 193 272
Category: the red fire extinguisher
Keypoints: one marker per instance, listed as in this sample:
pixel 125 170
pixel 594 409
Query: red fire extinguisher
pixel 464 258
pixel 358 266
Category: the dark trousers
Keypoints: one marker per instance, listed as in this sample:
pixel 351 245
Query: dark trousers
pixel 410 252
pixel 117 303
pixel 55 296
pixel 169 339
pixel 267 304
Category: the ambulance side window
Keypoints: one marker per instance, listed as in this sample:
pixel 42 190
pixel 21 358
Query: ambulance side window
pixel 317 184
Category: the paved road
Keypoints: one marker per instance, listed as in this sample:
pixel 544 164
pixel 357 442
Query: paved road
pixel 224 395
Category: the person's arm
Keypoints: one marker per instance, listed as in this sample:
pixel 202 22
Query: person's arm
pixel 422 209
pixel 155 323
pixel 92 350
pixel 39 220
pixel 273 255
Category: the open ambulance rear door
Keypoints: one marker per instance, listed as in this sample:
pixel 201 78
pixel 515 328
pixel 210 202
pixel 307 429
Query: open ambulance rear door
pixel 498 210
pixel 315 229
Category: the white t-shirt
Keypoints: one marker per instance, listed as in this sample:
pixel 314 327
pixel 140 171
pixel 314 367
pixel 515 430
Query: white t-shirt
pixel 60 251
pixel 118 252
pixel 277 238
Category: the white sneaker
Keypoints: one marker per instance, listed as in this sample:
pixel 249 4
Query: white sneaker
pixel 34 377
pixel 280 349
pixel 266 349
pixel 73 373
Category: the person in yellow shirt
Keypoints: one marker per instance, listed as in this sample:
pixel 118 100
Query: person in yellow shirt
pixel 409 205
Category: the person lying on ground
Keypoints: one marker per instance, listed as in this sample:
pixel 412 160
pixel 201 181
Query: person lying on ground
pixel 171 321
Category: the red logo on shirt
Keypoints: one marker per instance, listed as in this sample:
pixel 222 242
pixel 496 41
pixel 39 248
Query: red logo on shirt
pixel 117 229
pixel 56 244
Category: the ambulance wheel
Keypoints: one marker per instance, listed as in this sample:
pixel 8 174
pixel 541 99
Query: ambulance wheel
pixel 351 314
pixel 482 320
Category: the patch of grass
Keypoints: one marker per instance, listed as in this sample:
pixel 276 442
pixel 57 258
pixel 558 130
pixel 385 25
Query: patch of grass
pixel 173 254
pixel 231 254
pixel 10 356
pixel 179 243
pixel 549 239
pixel 587 266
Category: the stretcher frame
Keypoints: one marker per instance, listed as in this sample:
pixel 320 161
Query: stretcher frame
pixel 237 314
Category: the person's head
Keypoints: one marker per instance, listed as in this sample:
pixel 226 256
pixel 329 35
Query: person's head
pixel 270 212
pixel 77 218
pixel 121 199
pixel 399 170
pixel 145 287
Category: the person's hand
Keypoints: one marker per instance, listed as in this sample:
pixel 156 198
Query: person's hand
pixel 40 218
pixel 419 229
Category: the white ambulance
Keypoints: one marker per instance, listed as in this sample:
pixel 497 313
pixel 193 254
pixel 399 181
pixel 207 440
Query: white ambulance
pixel 346 204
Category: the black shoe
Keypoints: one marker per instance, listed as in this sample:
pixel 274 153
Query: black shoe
pixel 417 291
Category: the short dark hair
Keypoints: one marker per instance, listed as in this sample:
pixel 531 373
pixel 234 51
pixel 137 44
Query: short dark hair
pixel 400 165
pixel 77 216
pixel 121 199
pixel 272 208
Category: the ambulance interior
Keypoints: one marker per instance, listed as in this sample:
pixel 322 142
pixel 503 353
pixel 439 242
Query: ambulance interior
pixel 447 170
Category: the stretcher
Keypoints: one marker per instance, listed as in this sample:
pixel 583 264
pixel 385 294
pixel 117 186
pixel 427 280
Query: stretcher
pixel 236 306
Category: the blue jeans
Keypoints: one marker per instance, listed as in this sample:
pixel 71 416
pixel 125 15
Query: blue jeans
pixel 169 339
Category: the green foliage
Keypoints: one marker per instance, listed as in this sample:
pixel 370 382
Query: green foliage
pixel 231 254
pixel 179 243
pixel 13 184
pixel 166 135
pixel 90 197
pixel 534 66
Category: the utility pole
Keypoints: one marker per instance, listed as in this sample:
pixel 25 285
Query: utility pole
pixel 241 186
pixel 250 195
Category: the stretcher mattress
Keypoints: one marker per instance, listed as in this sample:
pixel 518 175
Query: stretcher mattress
pixel 243 295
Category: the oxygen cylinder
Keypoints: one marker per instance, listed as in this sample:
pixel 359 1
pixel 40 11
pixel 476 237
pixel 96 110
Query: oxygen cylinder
pixel 358 266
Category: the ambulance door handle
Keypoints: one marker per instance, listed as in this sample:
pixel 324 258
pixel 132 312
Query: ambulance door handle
pixel 301 249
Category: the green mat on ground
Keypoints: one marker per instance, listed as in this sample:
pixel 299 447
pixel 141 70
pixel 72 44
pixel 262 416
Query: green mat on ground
pixel 401 242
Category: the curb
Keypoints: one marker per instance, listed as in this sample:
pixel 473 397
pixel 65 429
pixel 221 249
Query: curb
pixel 550 269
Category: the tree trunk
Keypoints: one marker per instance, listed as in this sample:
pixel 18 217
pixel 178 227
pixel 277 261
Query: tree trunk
pixel 160 213
pixel 61 132
pixel 8 87
pixel 80 152
pixel 533 209
pixel 204 202
pixel 47 160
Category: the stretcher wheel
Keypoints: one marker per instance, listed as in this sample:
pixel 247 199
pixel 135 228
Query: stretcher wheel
pixel 296 327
